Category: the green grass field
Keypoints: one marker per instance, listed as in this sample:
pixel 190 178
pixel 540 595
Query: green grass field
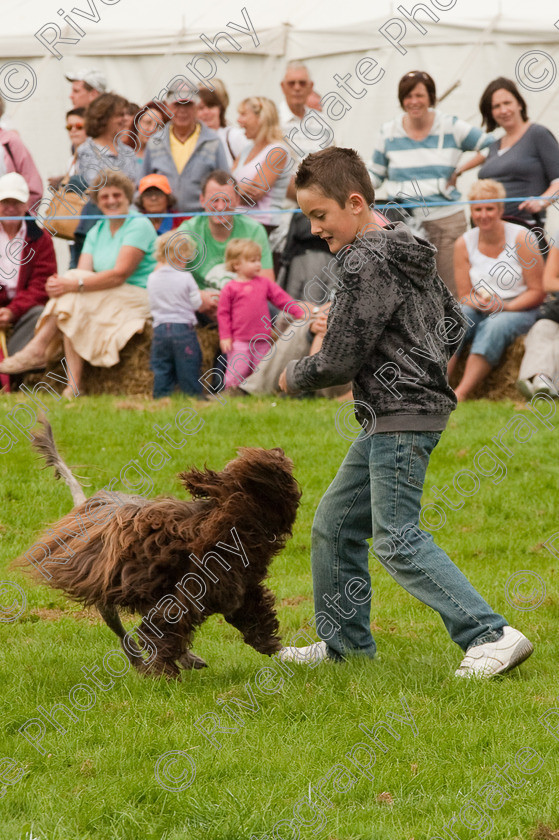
pixel 464 759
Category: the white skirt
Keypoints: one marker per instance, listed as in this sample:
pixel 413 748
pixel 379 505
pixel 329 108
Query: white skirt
pixel 100 323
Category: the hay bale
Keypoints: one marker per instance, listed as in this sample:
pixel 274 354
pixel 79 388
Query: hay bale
pixel 500 384
pixel 208 338
pixel 131 376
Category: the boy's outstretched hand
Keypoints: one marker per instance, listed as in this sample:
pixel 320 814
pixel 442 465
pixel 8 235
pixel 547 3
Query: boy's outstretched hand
pixel 282 384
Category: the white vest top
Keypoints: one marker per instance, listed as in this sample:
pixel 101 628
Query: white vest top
pixel 502 274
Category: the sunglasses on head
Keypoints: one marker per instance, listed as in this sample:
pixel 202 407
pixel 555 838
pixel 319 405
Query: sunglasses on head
pixel 417 73
pixel 77 125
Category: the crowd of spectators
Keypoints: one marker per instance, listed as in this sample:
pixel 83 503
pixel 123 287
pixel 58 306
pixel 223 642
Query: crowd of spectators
pixel 173 181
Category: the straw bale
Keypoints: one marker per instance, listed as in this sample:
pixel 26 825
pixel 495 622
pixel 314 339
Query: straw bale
pixel 500 384
pixel 208 339
pixel 133 377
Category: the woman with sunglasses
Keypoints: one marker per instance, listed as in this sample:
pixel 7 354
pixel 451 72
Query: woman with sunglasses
pixel 424 145
pixel 75 126
pixel 156 196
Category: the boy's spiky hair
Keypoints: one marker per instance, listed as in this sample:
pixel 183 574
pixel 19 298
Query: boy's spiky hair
pixel 337 173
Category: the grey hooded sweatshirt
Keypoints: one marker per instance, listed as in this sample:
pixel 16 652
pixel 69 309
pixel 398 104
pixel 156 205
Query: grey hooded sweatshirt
pixel 392 327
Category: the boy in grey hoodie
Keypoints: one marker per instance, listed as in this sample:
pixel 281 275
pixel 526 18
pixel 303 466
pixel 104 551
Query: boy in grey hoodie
pixel 392 328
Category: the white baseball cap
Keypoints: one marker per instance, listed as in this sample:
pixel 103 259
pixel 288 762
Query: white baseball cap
pixel 15 186
pixel 182 93
pixel 93 78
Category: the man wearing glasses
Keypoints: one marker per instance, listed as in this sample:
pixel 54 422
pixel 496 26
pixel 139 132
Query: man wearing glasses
pixel 297 85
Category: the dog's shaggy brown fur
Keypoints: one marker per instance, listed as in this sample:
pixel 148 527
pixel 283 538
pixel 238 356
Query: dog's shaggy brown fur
pixel 176 562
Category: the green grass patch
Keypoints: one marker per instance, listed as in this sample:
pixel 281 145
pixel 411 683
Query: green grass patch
pixel 96 780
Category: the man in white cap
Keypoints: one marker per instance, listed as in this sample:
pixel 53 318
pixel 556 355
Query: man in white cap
pixel 27 260
pixel 87 85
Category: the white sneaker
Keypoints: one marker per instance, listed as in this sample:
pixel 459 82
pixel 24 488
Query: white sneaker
pixel 544 385
pixel 526 388
pixel 496 657
pixel 316 652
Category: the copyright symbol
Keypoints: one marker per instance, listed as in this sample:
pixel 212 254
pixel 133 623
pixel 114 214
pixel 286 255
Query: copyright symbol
pixel 9 614
pixel 169 780
pixel 18 81
pixel 539 78
pixel 525 590
pixel 346 425
pixel 185 250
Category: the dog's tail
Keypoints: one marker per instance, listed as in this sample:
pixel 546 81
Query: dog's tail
pixel 46 447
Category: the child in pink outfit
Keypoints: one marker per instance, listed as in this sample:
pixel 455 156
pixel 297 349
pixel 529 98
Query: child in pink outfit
pixel 243 316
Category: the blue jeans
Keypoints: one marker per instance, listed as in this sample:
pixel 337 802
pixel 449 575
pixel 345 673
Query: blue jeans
pixel 175 360
pixel 377 493
pixel 491 334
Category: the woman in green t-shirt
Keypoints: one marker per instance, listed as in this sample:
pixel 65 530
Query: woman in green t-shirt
pixel 97 307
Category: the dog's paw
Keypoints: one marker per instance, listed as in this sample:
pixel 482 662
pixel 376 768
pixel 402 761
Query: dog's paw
pixel 159 668
pixel 189 660
pixel 267 646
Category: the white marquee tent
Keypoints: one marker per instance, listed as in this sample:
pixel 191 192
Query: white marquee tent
pixel 141 44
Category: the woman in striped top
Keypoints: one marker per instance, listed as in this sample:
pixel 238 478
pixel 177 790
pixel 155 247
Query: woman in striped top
pixel 424 146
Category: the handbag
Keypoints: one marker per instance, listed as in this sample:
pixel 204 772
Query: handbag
pixel 65 203
pixel 550 308
pixel 537 226
pixel 62 204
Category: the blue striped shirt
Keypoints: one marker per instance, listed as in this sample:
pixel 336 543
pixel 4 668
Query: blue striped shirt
pixel 399 160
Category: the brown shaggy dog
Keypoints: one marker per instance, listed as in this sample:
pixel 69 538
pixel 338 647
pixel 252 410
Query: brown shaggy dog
pixel 175 562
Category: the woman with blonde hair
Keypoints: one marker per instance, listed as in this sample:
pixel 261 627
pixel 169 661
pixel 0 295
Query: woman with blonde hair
pixel 262 168
pixel 498 270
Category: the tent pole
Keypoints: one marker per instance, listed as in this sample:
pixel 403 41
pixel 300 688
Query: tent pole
pixel 460 73
pixel 548 103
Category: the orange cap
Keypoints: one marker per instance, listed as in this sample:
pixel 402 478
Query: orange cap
pixel 155 180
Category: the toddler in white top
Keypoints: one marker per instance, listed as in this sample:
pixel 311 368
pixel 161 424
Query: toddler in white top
pixel 174 299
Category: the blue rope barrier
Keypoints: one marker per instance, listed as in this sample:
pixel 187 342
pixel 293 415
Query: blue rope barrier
pixel 384 203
